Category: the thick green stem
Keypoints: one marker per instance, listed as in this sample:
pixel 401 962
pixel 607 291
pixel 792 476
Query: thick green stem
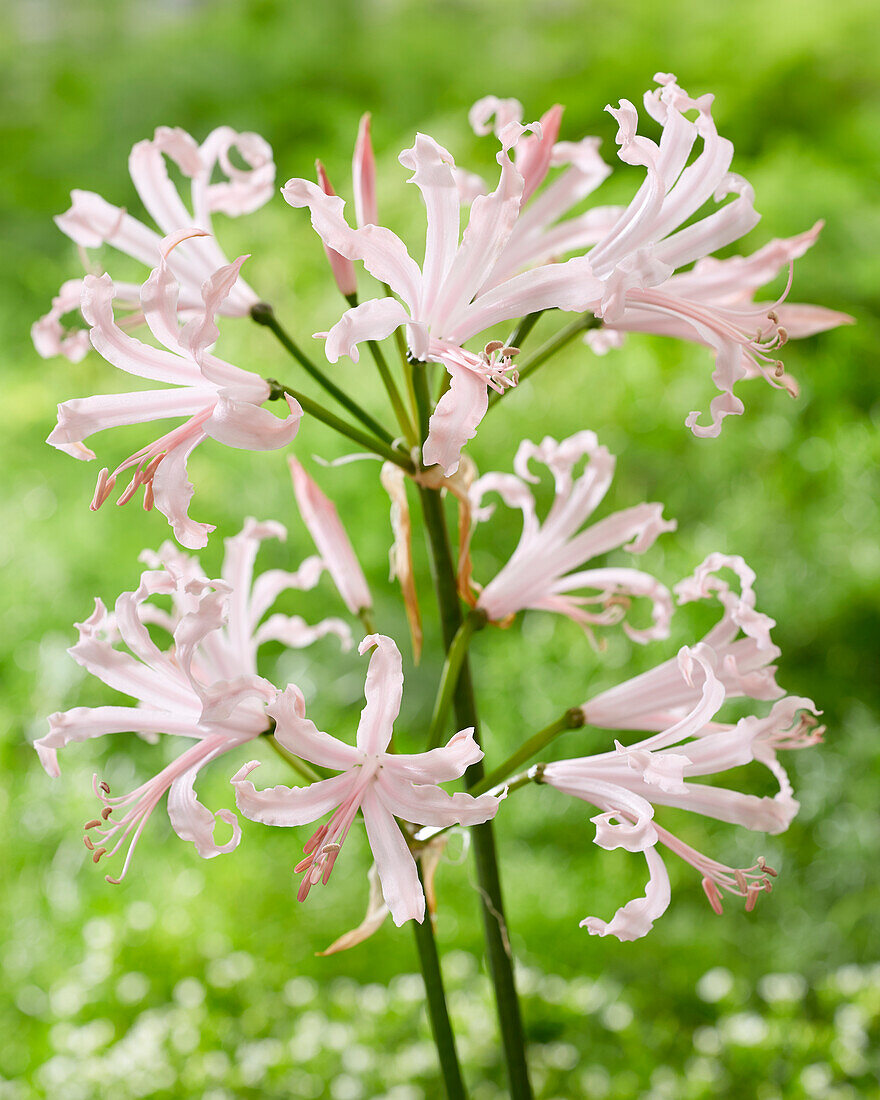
pixel 348 430
pixel 438 1012
pixel 483 836
pixel 572 719
pixel 456 653
pixel 550 347
pixel 263 314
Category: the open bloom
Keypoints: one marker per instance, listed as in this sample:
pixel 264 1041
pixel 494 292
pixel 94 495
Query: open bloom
pixel 626 784
pixel 383 785
pixel 446 302
pixel 542 233
pixel 544 569
pixel 712 302
pixel 321 518
pixel 218 399
pixel 91 222
pixel 740 641
pixel 205 687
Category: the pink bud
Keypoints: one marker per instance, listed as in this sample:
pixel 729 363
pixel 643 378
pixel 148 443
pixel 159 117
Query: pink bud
pixel 343 269
pixel 363 173
pixel 320 516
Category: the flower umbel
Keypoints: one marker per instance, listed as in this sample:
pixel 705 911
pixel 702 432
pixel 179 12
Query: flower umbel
pixel 205 686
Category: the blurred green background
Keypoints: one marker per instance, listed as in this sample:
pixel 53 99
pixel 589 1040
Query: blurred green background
pixel 199 979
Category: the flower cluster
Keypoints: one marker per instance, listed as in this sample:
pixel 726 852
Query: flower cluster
pixel 505 252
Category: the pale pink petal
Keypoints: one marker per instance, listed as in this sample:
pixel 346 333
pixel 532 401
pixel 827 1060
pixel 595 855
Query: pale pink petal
pixel 295 633
pixel 383 691
pixel 244 190
pixel 431 166
pixel 363 176
pixel 534 153
pixel 82 723
pixel 173 491
pixel 193 821
pixel 383 253
pixel 123 351
pixel 251 428
pixel 440 765
pixel 394 862
pixel 302 737
pixel 636 918
pixel 427 804
pixel 288 805
pixel 49 336
pixel 371 320
pixel 269 585
pixel 492 115
pixel 83 416
pixel 456 418
pixel 92 221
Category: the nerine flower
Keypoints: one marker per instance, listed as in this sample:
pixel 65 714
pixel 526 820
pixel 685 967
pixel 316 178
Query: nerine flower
pixel 205 687
pixel 712 302
pixel 625 785
pixel 91 222
pixel 322 520
pixel 540 235
pixel 383 785
pixel 446 302
pixel 544 569
pixel 218 399
pixel 740 641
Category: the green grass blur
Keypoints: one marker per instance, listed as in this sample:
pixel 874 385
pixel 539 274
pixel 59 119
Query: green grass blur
pixel 198 979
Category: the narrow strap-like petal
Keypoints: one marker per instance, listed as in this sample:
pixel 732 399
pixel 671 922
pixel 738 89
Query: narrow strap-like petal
pixel 302 737
pixel 288 805
pixel 636 918
pixel 456 417
pixel 428 804
pixel 383 691
pixel 394 862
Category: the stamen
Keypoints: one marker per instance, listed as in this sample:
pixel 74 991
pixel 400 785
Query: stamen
pixel 713 894
pixel 106 812
pixel 88 844
pixel 103 489
pixel 91 824
pixel 98 853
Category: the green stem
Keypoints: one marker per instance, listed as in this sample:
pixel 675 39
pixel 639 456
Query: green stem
pixel 523 328
pixel 348 430
pixel 400 411
pixel 366 617
pixel 456 653
pixel 550 347
pixel 572 719
pixel 483 836
pixel 438 1012
pixel 263 314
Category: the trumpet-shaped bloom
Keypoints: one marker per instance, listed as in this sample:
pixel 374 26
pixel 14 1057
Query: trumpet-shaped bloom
pixel 218 399
pixel 712 302
pixel 205 687
pixel 544 569
pixel 91 222
pixel 446 302
pixel 740 641
pixel 383 785
pixel 625 785
pixel 322 520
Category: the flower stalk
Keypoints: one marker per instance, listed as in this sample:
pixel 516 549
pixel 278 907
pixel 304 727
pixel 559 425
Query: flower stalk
pixel 571 720
pixel 483 836
pixel 455 655
pixel 377 446
pixel 263 314
pixel 438 1011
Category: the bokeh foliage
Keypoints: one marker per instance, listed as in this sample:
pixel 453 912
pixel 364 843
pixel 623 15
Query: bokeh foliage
pixel 197 979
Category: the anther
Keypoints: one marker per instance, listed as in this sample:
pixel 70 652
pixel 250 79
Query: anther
pixel 91 824
pixel 105 786
pixel 711 892
pixel 741 881
pixel 779 369
pixel 763 866
pixel 106 812
pixel 752 898
pixel 509 353
pixel 88 844
pixel 98 853
pixel 492 347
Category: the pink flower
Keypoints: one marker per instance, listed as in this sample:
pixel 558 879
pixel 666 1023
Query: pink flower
pixel 383 785
pixel 544 567
pixel 447 301
pixel 92 222
pixel 218 399
pixel 205 687
pixel 741 644
pixel 626 784
pixel 539 236
pixel 322 520
pixel 711 303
